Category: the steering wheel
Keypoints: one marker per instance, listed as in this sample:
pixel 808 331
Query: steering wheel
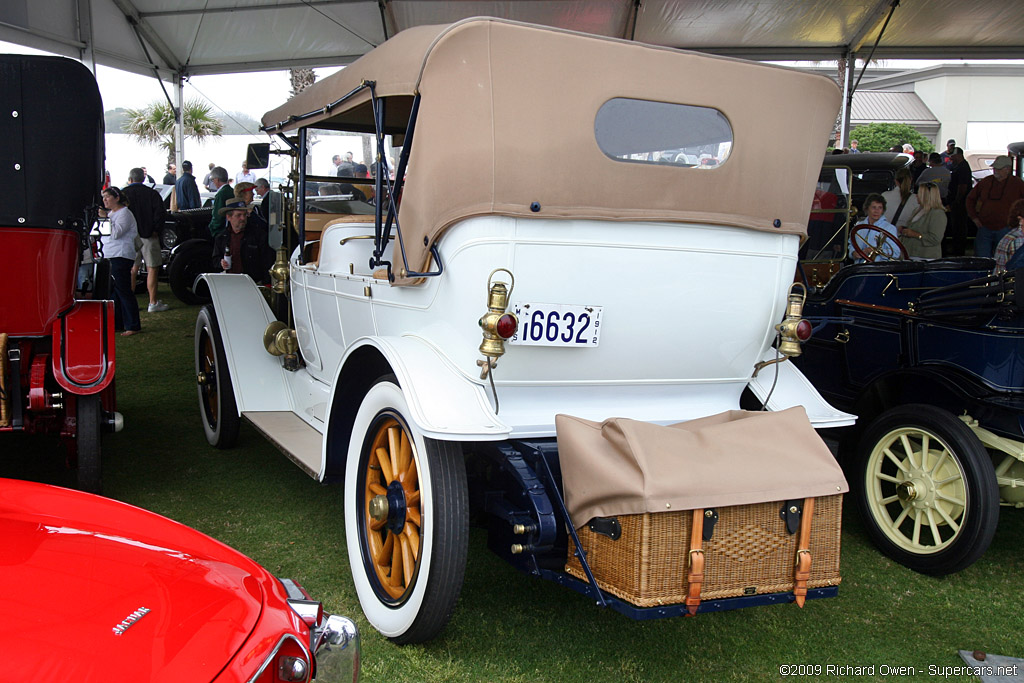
pixel 873 243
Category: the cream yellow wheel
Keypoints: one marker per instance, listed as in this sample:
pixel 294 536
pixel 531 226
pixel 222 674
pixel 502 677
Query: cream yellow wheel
pixel 406 519
pixel 928 490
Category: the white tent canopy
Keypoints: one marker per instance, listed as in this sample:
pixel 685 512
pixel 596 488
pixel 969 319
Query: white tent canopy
pixel 181 38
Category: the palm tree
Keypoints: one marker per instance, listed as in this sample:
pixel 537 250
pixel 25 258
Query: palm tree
pixel 154 124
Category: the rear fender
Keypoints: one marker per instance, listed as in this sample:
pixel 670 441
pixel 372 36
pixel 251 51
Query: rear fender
pixel 82 357
pixel 792 388
pixel 443 405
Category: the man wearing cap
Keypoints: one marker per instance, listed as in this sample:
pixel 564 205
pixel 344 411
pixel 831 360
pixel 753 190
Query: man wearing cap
pixel 947 156
pixel 186 189
pixel 988 205
pixel 219 181
pixel 960 181
pixel 936 173
pixel 242 247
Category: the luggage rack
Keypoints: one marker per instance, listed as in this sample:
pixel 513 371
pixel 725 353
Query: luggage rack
pixel 536 455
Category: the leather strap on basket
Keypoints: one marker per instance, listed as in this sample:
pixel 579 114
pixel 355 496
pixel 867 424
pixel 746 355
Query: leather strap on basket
pixel 803 553
pixel 695 574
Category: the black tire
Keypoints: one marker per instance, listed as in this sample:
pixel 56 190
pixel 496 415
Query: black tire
pixel 217 406
pixel 935 514
pixel 414 605
pixel 88 471
pixel 103 284
pixel 192 259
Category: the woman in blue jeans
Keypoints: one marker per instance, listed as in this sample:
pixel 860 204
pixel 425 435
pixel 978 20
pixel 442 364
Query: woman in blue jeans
pixel 119 249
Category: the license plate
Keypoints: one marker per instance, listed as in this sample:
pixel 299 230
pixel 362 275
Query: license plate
pixel 565 325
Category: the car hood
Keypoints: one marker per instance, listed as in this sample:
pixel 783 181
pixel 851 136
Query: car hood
pixel 96 590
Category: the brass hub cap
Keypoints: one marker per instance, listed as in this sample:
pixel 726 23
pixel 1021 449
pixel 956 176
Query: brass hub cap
pixel 917 490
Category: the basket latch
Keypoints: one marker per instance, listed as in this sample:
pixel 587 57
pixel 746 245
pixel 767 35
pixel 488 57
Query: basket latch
pixel 609 526
pixel 790 513
pixel 710 520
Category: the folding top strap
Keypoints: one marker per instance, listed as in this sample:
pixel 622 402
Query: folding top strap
pixel 803 553
pixel 695 575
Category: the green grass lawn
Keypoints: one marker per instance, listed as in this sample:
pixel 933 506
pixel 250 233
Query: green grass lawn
pixel 510 626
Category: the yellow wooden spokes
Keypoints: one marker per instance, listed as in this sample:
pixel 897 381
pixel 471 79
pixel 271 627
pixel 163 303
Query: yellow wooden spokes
pixel 395 557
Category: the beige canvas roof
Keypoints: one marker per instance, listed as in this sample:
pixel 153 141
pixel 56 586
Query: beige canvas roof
pixel 507 118
pixel 622 466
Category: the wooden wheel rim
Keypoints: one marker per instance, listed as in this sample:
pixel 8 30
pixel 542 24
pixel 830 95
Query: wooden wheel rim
pixel 390 469
pixel 208 389
pixel 917 490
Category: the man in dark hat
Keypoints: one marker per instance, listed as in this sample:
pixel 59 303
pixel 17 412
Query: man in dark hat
pixel 947 156
pixel 243 247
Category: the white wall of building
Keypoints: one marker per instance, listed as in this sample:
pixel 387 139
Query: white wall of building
pixel 979 112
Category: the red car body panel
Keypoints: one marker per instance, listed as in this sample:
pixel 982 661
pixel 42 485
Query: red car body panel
pixel 41 264
pixel 83 347
pixel 98 590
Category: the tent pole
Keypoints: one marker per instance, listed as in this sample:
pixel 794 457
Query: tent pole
pixel 179 125
pixel 844 124
pixel 85 35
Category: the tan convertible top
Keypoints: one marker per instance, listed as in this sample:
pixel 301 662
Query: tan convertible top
pixel 507 119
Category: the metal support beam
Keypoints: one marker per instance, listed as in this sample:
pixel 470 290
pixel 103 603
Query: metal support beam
pixel 179 121
pixel 85 34
pixel 847 85
pixel 145 31
pixel 247 8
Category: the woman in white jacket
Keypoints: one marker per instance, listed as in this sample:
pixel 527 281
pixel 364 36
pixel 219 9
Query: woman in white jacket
pixel 119 249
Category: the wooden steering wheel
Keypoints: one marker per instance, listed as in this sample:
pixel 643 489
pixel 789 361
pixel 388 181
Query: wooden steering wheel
pixel 873 243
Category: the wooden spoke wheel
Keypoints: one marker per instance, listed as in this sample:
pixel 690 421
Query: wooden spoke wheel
pixel 873 243
pixel 406 519
pixel 213 382
pixel 928 491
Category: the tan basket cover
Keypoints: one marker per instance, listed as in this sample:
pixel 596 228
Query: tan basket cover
pixel 622 466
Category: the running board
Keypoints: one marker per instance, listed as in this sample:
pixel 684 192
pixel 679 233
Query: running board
pixel 293 436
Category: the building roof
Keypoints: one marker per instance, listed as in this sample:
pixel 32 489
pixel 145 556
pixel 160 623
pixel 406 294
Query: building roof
pixel 879 106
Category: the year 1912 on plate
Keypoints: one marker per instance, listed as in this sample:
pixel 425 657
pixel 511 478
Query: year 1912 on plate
pixel 563 325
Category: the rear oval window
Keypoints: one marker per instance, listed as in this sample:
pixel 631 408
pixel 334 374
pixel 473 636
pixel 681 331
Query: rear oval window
pixel 646 132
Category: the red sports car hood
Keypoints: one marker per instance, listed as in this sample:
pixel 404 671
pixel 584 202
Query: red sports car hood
pixel 96 590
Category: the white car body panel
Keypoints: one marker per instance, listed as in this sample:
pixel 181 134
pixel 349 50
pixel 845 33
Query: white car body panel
pixel 688 310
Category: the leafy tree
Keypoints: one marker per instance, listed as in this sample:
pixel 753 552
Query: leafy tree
pixel 154 124
pixel 879 137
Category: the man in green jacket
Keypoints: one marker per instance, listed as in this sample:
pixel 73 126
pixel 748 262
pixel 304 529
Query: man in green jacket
pixel 219 180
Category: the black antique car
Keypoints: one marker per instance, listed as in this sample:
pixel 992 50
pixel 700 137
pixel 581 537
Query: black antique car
pixel 928 354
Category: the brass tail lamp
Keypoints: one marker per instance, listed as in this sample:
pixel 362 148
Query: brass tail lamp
pixel 497 324
pixel 793 331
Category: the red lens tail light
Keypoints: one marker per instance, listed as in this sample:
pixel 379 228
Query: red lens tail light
pixel 507 326
pixel 803 330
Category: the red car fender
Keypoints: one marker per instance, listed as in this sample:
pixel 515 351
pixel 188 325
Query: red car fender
pixel 83 347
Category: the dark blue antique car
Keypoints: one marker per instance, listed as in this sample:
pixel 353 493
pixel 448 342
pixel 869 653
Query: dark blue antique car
pixel 930 356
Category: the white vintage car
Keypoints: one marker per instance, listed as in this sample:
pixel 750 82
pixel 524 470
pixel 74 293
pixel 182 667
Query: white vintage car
pixel 538 251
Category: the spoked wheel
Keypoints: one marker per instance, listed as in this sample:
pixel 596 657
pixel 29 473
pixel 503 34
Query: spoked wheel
pixel 88 472
pixel 928 490
pixel 406 519
pixel 873 243
pixel 216 397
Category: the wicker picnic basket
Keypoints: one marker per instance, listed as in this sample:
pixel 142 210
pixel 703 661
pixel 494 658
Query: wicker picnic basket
pixel 750 552
pixel 739 503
